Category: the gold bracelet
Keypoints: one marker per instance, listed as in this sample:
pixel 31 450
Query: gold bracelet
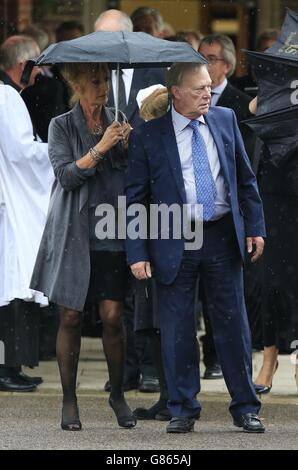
pixel 95 154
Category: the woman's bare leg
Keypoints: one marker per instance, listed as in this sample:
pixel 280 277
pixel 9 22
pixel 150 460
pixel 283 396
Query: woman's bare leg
pixel 268 369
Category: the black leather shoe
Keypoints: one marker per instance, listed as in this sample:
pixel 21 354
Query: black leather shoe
pixel 213 372
pixel 250 422
pixel 29 380
pixel 149 384
pixel 13 384
pixel 181 425
pixel 158 411
pixel 131 384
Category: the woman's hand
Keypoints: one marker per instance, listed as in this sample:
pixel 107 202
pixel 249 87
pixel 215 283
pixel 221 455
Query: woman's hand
pixel 113 134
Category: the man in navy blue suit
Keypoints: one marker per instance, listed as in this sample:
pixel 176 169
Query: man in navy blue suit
pixel 195 155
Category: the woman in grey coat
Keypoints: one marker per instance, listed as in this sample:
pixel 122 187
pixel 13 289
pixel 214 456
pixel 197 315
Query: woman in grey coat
pixel 87 151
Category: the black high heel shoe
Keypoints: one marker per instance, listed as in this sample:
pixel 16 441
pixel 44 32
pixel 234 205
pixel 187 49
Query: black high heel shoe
pixel 70 424
pixel 261 389
pixel 123 413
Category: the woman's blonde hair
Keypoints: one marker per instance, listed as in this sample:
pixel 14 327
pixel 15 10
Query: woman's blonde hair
pixel 77 74
pixel 155 105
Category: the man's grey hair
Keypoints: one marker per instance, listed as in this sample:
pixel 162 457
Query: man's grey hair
pixel 39 35
pixel 17 49
pixel 148 11
pixel 125 23
pixel 177 71
pixel 227 48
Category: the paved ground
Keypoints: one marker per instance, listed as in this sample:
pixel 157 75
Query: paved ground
pixel 92 373
pixel 31 420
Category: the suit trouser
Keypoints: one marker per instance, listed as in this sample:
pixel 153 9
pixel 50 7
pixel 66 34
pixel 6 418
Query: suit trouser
pixel 219 264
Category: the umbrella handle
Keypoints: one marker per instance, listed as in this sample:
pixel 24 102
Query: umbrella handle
pixel 117 92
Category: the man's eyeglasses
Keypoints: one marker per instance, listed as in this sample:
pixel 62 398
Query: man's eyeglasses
pixel 213 60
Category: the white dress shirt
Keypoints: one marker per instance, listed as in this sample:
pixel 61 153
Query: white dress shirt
pixel 127 75
pixel 183 134
pixel 217 91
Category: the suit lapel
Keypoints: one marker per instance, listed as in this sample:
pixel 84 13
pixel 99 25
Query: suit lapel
pixel 170 145
pixel 224 97
pixel 214 127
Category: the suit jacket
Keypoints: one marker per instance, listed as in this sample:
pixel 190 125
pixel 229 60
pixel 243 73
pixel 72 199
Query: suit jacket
pixel 155 176
pixel 44 100
pixel 238 101
pixel 142 78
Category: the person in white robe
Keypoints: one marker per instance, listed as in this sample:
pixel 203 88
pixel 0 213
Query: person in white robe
pixel 26 179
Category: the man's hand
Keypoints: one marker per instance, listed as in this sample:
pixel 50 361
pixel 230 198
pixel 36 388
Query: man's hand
pixel 259 244
pixel 141 270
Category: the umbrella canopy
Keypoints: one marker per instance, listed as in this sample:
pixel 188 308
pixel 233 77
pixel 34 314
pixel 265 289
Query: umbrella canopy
pixel 279 131
pixel 277 79
pixel 276 70
pixel 130 50
pixel 287 43
pixel 119 49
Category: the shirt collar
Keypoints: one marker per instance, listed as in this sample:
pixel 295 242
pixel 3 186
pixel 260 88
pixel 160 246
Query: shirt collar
pixel 125 72
pixel 181 122
pixel 220 88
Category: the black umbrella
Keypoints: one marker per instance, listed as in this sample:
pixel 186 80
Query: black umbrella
pixel 279 131
pixel 120 49
pixel 287 43
pixel 277 79
pixel 276 70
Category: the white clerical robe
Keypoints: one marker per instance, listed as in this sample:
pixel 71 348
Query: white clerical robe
pixel 26 178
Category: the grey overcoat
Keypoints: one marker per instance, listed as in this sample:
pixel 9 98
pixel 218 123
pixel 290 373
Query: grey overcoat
pixel 62 268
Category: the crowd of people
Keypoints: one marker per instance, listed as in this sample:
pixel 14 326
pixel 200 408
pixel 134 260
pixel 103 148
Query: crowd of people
pixel 179 138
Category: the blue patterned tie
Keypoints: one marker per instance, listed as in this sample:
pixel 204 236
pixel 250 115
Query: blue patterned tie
pixel 205 185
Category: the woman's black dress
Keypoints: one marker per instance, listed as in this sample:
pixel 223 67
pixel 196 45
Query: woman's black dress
pixel 279 192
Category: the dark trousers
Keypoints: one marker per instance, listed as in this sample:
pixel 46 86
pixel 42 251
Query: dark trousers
pixel 208 346
pixel 138 352
pixel 219 265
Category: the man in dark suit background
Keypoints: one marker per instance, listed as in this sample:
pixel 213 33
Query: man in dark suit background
pixel 194 156
pixel 220 52
pixel 132 80
pixel 139 369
